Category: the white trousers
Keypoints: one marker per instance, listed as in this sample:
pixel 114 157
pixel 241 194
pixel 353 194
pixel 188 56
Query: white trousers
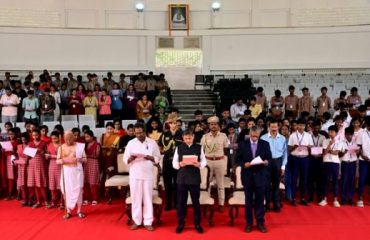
pixel 141 201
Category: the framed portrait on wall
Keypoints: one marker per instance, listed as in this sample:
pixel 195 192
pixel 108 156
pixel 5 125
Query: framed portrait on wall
pixel 178 17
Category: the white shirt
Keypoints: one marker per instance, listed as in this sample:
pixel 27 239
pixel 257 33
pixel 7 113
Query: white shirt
pixel 336 146
pixel 303 141
pixel 364 141
pixel 326 125
pixel 236 109
pixel 317 141
pixel 176 164
pixel 56 96
pixel 357 134
pixel 7 102
pixel 349 156
pixel 141 168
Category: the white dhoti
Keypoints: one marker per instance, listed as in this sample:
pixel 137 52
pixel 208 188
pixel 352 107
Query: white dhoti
pixel 74 182
pixel 141 201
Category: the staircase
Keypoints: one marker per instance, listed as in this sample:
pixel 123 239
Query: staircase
pixel 188 101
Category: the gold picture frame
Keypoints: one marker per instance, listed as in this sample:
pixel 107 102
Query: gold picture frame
pixel 178 17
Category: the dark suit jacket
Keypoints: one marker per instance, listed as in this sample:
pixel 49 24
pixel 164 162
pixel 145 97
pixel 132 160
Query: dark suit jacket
pixel 255 176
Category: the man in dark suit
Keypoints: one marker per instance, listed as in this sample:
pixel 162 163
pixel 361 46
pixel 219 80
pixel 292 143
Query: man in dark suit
pixel 254 177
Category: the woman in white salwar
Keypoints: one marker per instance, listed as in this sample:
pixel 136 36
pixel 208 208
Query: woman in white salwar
pixel 71 155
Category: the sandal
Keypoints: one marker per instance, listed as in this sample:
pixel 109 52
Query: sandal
pixel 48 205
pixel 81 215
pixel 36 205
pixel 94 203
pixel 67 216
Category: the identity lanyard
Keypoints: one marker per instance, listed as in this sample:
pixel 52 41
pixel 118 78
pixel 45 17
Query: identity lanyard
pixel 316 144
pixel 349 144
pixel 299 140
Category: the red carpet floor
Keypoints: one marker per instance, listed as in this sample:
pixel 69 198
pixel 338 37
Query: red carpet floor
pixel 103 222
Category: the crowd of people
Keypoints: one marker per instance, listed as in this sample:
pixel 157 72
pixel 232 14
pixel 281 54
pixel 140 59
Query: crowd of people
pixel 46 97
pixel 313 154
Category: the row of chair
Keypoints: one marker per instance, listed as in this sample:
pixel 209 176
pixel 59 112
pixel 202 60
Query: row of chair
pixel 207 201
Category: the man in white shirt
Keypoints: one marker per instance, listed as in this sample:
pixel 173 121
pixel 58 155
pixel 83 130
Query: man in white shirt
pixel 9 103
pixel 237 110
pixel 364 163
pixel 299 144
pixel 141 154
pixel 332 148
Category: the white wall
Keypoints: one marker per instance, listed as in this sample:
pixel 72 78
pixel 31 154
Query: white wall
pixel 121 14
pixel 272 48
pixel 245 35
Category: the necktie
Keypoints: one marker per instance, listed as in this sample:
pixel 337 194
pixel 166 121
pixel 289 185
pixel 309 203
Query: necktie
pixel 254 149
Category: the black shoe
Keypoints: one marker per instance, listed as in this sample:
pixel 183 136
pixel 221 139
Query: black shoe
pixel 168 208
pixel 221 209
pixel 343 202
pixel 293 202
pixel 180 228
pixel 350 202
pixel 199 229
pixel 267 208
pixel 303 202
pixel 262 228
pixel 276 208
pixel 248 229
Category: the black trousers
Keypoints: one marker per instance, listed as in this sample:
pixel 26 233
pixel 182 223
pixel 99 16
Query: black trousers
pixel 169 179
pixel 182 198
pixel 272 189
pixel 254 198
pixel 316 178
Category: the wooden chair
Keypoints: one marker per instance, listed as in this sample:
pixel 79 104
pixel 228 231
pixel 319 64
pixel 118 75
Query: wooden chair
pixel 120 180
pixel 157 200
pixel 205 200
pixel 237 196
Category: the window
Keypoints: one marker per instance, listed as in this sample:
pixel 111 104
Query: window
pixel 178 58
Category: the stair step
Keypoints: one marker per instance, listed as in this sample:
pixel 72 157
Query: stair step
pixel 194 107
pixel 187 101
pixel 193 102
pixel 193 96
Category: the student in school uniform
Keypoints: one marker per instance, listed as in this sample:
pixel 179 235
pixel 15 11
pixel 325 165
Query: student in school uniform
pixel 299 144
pixel 54 170
pixel 316 169
pixel 364 163
pixel 11 171
pixel 348 167
pixel 37 171
pixel 91 168
pixel 22 162
pixel 332 148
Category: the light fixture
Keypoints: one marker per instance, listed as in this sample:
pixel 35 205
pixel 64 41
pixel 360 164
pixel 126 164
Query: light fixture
pixel 139 7
pixel 216 6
